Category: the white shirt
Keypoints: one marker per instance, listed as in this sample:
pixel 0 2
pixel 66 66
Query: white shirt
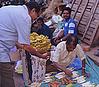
pixel 63 57
pixel 56 18
pixel 15 26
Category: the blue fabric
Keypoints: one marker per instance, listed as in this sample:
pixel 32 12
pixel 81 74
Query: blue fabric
pixel 93 71
pixel 45 30
pixel 44 85
pixel 67 28
pixel 76 64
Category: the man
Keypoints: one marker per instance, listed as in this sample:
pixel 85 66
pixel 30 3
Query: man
pixel 43 28
pixel 15 26
pixel 65 53
pixel 69 26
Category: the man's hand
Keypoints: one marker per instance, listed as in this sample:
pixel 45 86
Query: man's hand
pixel 45 56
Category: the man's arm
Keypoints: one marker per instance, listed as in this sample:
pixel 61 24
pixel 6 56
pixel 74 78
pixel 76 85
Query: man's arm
pixel 63 68
pixel 65 37
pixel 32 50
pixel 81 55
pixel 58 37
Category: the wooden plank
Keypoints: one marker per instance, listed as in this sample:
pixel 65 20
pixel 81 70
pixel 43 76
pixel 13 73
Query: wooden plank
pixel 81 29
pixel 89 10
pixel 77 8
pixel 77 1
pixel 96 16
pixel 86 17
pixel 81 8
pixel 78 14
pixel 87 41
pixel 87 13
pixel 72 3
pixel 97 11
pixel 88 37
pixel 81 15
pixel 92 25
pixel 89 33
pixel 92 1
pixel 81 25
pixel 92 14
pixel 91 4
pixel 89 7
pixel 94 22
pixel 94 32
pixel 90 29
pixel 83 22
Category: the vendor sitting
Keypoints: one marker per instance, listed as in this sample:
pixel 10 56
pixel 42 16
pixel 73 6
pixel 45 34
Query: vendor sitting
pixel 65 53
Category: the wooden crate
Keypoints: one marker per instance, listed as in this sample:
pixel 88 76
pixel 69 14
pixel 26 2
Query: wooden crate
pixel 86 12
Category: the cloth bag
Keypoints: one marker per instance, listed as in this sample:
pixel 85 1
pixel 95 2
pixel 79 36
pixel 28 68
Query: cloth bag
pixel 38 68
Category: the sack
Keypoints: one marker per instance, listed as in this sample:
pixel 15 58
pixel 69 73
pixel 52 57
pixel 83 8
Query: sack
pixel 38 68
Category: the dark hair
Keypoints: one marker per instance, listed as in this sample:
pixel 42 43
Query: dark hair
pixel 67 9
pixel 40 19
pixel 32 4
pixel 72 38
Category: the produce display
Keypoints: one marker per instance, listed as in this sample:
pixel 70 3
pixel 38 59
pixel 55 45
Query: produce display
pixel 40 42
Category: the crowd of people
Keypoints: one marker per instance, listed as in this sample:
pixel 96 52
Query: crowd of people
pixel 15 29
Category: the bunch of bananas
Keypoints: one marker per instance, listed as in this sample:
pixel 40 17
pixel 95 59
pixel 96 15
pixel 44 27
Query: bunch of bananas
pixel 40 42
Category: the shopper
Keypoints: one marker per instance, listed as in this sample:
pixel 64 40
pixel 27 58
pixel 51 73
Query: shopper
pixel 15 26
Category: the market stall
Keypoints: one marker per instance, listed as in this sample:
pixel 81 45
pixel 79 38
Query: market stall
pixel 59 79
